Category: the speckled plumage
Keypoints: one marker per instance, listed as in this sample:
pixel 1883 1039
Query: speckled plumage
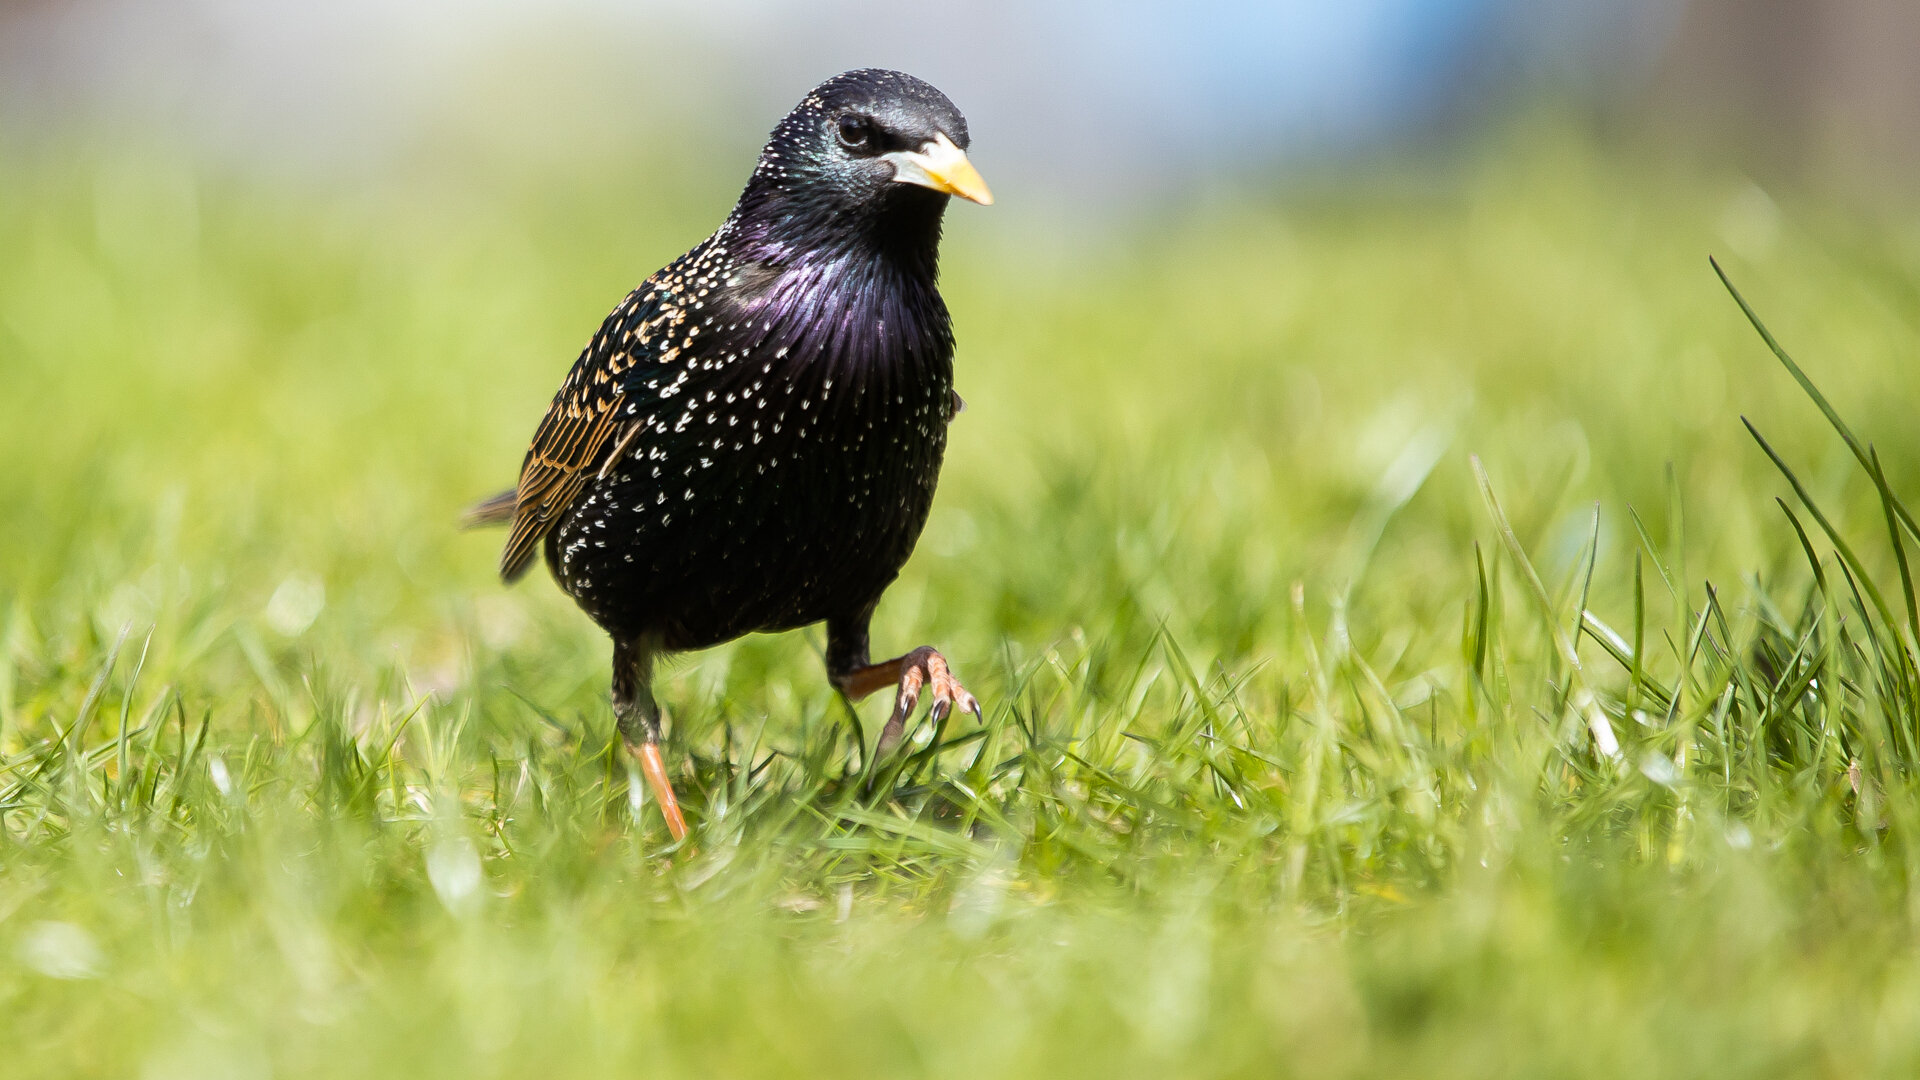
pixel 752 439
pixel 777 447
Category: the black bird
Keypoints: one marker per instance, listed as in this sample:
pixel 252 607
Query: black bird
pixel 751 441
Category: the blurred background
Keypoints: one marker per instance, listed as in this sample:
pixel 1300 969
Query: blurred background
pixel 285 285
pixel 247 245
pixel 1076 99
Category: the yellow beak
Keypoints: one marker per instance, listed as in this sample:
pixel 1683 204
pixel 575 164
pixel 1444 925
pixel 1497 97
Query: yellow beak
pixel 942 166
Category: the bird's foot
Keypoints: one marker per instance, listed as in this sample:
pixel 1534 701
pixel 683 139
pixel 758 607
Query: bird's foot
pixel 655 770
pixel 923 669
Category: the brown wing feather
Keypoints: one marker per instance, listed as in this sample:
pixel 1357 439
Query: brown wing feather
pixel 572 444
pixel 564 456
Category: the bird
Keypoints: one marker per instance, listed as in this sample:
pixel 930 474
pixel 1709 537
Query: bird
pixel 751 440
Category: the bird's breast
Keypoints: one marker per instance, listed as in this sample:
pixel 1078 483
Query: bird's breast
pixel 781 471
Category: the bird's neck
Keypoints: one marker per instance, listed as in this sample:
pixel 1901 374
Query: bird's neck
pixel 858 296
pixel 896 237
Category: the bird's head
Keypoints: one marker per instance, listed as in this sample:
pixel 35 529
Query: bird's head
pixel 871 146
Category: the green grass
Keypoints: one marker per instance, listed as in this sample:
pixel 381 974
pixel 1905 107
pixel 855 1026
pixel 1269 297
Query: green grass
pixel 1297 546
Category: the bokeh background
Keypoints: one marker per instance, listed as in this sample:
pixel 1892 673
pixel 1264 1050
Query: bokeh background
pixel 1285 769
pixel 1122 102
pixel 293 234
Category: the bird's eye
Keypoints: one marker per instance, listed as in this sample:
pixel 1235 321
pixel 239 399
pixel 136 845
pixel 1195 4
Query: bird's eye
pixel 856 132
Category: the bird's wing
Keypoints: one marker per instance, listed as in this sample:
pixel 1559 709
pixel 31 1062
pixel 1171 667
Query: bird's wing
pixel 579 432
pixel 565 452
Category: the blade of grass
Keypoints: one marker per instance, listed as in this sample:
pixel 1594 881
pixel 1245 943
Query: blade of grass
pixel 1583 700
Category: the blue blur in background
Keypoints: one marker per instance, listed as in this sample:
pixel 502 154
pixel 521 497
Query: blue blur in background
pixel 1075 95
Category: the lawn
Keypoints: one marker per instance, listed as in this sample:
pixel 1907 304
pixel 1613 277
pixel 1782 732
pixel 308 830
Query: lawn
pixel 1397 656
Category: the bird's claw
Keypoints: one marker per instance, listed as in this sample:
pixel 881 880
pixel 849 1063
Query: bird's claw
pixel 924 669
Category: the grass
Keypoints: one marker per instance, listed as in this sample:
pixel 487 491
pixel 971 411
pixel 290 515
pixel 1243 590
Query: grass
pixel 1398 657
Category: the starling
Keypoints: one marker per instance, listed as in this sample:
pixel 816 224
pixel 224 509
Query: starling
pixel 751 440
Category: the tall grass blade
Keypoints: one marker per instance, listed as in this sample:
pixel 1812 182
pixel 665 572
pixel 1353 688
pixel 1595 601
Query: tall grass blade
pixel 1582 696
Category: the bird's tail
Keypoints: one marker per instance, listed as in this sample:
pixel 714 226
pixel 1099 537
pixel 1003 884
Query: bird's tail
pixel 495 510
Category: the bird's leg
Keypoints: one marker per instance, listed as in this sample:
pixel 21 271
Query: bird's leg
pixel 856 676
pixel 638 717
